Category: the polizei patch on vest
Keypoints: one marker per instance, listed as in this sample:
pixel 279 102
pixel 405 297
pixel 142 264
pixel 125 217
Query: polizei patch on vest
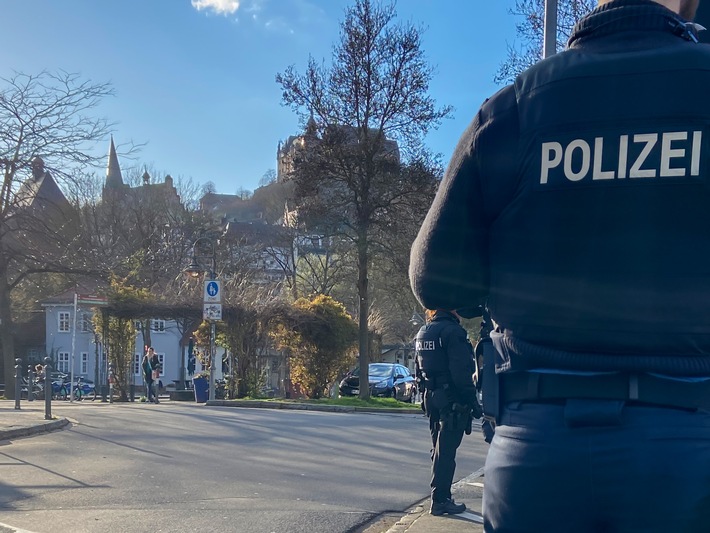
pixel 422 346
pixel 622 158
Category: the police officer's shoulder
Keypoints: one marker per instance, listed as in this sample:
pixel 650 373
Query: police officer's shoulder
pixel 451 330
pixel 502 101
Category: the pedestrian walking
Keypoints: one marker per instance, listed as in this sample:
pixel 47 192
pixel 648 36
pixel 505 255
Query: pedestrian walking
pixel 148 375
pixel 157 368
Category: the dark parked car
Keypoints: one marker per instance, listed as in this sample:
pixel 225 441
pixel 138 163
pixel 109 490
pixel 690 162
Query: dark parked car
pixel 389 380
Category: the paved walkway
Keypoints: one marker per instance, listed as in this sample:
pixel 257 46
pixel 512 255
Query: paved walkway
pixel 418 520
pixel 27 421
pixel 30 420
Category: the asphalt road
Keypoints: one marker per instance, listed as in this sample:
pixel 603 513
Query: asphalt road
pixel 186 467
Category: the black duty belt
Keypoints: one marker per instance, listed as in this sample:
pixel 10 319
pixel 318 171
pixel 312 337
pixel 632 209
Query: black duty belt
pixel 637 388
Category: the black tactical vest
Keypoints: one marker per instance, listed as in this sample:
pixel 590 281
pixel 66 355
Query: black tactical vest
pixel 431 355
pixel 604 245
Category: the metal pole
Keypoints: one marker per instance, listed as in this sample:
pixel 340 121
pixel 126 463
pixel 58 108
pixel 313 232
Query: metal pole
pixel 105 365
pixel 71 357
pixel 30 383
pixel 48 388
pixel 110 383
pixel 550 31
pixel 96 360
pixel 212 360
pixel 181 370
pixel 213 333
pixel 18 382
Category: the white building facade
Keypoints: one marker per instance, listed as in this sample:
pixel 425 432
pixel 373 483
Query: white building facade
pixel 73 345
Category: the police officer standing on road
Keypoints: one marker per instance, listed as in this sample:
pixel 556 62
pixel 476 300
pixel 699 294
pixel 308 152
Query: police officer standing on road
pixel 576 205
pixel 445 363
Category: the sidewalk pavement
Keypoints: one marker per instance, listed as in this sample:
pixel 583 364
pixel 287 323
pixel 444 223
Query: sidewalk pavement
pixel 469 491
pixel 29 420
pixel 26 421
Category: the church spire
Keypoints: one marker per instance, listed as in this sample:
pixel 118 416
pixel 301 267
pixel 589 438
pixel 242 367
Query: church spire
pixel 113 171
pixel 311 126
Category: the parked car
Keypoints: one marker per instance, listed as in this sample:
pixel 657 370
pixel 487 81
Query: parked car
pixel 388 380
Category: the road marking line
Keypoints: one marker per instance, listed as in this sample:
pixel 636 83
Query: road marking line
pixel 14 529
pixel 472 517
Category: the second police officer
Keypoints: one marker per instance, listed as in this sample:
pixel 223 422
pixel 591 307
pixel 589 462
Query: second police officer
pixel 445 367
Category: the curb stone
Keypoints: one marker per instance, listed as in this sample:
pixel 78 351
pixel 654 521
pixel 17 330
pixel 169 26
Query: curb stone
pixel 407 520
pixel 26 431
pixel 307 407
pixel 421 509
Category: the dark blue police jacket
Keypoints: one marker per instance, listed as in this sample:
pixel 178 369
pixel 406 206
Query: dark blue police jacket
pixel 445 357
pixel 578 203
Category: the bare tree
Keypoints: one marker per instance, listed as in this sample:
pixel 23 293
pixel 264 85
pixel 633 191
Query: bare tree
pixel 350 176
pixel 267 178
pixel 320 271
pixel 209 187
pixel 45 119
pixel 530 29
pixel 142 232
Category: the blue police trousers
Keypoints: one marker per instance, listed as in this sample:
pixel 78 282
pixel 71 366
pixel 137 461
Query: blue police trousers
pixel 445 441
pixel 598 466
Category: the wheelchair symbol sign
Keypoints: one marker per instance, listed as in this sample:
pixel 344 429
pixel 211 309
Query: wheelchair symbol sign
pixel 212 291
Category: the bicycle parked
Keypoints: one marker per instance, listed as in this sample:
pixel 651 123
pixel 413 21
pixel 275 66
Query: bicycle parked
pixel 84 390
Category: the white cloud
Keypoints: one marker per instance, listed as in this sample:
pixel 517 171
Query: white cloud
pixel 221 7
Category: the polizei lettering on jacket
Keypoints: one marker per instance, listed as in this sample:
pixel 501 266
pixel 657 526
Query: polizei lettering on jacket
pixel 421 345
pixel 670 154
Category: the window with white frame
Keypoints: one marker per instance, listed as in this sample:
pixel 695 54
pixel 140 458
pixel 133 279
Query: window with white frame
pixel 161 358
pixel 84 363
pixel 63 321
pixel 157 325
pixel 85 324
pixel 63 362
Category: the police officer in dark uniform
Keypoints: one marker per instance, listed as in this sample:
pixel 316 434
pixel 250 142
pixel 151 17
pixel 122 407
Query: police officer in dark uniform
pixel 577 206
pixel 445 368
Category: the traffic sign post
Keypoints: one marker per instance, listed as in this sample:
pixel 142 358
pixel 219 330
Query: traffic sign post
pixel 211 300
pixel 211 311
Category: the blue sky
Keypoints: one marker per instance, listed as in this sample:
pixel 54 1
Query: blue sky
pixel 194 79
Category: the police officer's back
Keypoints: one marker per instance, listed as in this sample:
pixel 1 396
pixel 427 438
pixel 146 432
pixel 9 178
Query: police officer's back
pixel 576 205
pixel 445 366
pixel 444 358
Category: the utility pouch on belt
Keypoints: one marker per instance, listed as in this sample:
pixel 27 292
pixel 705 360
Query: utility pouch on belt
pixel 490 388
pixel 435 400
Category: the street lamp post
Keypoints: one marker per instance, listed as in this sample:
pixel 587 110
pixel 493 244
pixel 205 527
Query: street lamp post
pixel 417 319
pixel 195 269
pixel 550 29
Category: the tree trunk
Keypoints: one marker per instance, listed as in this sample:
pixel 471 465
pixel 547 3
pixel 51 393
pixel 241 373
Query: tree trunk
pixel 147 341
pixel 6 336
pixel 363 332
